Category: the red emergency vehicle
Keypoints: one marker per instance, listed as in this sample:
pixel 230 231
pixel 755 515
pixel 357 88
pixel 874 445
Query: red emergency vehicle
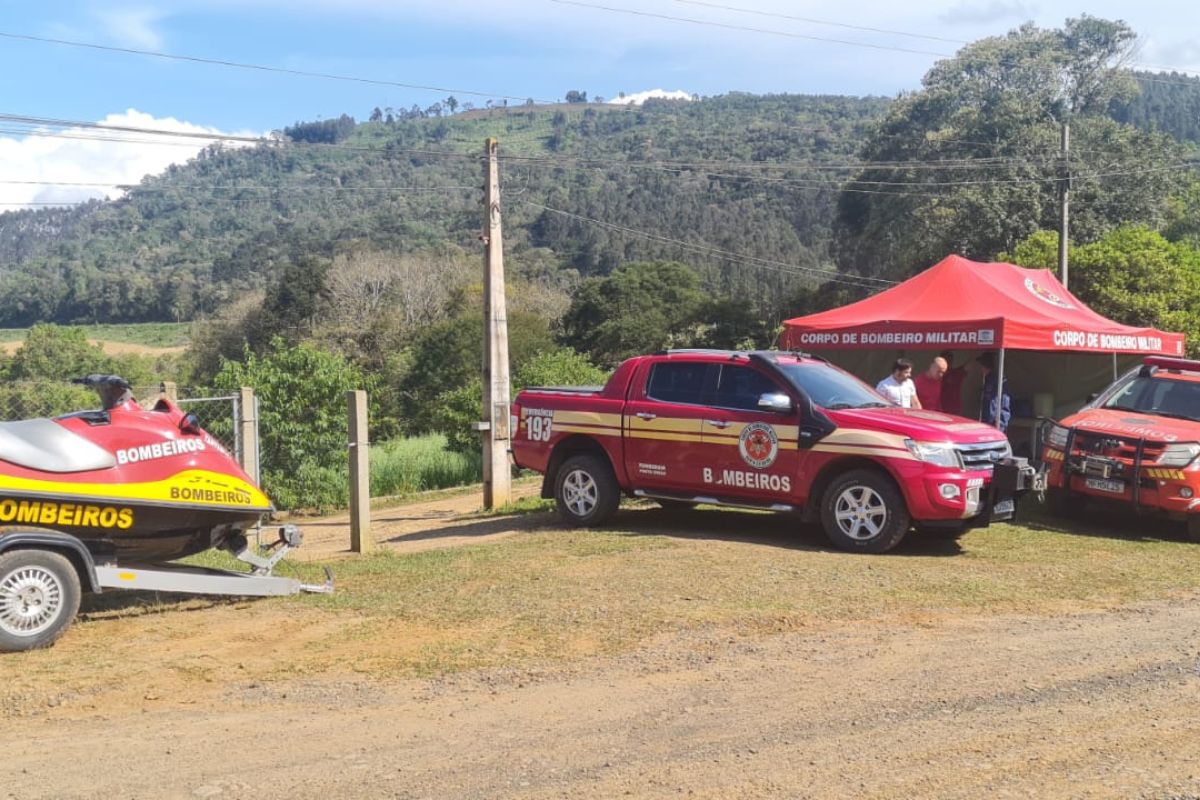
pixel 767 430
pixel 1137 443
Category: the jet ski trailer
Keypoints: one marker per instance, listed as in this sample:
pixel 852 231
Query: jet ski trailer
pixel 110 499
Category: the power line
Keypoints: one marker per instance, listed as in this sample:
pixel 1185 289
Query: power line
pixel 890 32
pixel 258 67
pixel 748 29
pixel 777 15
pixel 777 266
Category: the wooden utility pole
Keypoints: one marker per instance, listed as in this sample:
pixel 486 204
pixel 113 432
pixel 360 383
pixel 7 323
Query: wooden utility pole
pixel 1064 195
pixel 497 477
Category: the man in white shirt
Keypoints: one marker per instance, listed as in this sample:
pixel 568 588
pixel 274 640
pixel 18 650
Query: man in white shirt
pixel 899 387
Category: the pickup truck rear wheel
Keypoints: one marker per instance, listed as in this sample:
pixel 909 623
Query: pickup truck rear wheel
pixel 863 512
pixel 586 491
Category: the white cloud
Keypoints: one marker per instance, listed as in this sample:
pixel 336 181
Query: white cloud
pixel 51 167
pixel 132 27
pixel 637 98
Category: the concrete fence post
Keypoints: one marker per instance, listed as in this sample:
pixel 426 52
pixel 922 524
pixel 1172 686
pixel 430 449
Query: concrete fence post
pixel 360 474
pixel 247 430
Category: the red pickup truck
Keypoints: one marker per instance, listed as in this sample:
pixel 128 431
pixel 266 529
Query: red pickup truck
pixel 1137 444
pixel 766 430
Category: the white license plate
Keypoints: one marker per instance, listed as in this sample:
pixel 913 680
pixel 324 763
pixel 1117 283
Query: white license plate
pixel 1003 507
pixel 1102 485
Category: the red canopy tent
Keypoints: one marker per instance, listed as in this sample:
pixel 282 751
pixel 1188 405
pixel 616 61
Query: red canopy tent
pixel 967 305
pixel 970 305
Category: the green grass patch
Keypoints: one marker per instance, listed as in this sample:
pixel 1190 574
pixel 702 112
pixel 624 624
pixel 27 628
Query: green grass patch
pixel 150 334
pixel 553 594
pixel 419 464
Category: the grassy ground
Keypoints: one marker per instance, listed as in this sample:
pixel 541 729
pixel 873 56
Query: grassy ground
pixel 557 594
pixel 404 467
pixel 150 334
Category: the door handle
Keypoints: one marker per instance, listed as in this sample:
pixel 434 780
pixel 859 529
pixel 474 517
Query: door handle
pixel 718 423
pixel 647 415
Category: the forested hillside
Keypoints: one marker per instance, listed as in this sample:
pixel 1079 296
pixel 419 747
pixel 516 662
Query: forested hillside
pixel 182 245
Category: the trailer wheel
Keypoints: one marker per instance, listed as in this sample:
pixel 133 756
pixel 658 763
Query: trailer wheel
pixel 586 491
pixel 863 512
pixel 39 595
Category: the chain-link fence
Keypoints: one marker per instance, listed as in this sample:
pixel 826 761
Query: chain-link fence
pixel 31 399
pixel 220 415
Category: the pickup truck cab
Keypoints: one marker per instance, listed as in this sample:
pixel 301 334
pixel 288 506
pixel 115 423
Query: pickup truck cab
pixel 1137 444
pixel 765 430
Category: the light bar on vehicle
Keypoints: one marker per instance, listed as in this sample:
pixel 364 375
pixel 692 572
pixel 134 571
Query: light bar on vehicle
pixel 1165 362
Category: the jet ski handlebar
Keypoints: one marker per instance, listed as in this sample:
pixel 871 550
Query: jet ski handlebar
pixel 113 389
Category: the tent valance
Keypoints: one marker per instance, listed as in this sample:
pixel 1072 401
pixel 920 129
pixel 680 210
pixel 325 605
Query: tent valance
pixel 967 305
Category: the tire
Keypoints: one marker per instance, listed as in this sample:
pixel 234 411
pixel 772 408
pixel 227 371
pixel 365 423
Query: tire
pixel 39 596
pixel 674 505
pixel 864 512
pixel 586 491
pixel 1193 527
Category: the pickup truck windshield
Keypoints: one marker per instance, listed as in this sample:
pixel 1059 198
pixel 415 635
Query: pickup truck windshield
pixel 1162 396
pixel 831 388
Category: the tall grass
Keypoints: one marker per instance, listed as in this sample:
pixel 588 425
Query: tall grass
pixel 405 466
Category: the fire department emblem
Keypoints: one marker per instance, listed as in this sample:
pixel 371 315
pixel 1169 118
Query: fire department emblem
pixel 758 445
pixel 1045 295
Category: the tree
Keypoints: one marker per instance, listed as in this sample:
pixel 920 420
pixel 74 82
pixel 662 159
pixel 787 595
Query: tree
pixel 575 96
pixel 456 409
pixel 302 419
pixel 1132 275
pixel 993 116
pixel 641 307
pixel 452 103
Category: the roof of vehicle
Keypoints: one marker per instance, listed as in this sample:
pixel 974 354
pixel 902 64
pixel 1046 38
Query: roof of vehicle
pixel 1180 369
pixel 777 356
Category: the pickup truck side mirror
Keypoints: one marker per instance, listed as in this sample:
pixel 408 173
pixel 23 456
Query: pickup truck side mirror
pixel 778 402
pixel 1092 397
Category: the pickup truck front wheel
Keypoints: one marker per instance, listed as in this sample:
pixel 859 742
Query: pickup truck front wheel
pixel 864 512
pixel 1193 527
pixel 586 491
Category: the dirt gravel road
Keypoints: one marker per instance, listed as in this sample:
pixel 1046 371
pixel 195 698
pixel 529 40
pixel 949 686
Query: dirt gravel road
pixel 1095 705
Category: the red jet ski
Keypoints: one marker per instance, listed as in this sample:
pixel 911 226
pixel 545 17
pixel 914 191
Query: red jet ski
pixel 106 498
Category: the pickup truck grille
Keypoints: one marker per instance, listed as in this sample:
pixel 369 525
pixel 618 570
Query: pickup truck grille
pixel 982 456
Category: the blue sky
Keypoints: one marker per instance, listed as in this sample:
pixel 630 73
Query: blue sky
pixel 524 48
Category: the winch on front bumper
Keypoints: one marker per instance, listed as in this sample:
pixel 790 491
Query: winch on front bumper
pixel 1012 478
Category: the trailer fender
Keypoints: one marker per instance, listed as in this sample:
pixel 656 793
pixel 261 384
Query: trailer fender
pixel 69 546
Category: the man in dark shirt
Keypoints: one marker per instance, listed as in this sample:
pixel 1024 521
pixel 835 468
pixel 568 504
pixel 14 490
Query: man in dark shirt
pixel 952 381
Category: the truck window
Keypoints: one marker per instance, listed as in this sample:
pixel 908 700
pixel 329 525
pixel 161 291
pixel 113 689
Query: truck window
pixel 1165 396
pixel 830 387
pixel 740 387
pixel 678 382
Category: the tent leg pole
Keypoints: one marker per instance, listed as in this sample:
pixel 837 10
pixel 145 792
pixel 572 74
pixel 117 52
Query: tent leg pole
pixel 1114 366
pixel 999 387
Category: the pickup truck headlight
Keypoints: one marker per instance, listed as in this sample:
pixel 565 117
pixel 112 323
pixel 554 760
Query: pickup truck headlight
pixel 1178 455
pixel 1056 436
pixel 942 454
